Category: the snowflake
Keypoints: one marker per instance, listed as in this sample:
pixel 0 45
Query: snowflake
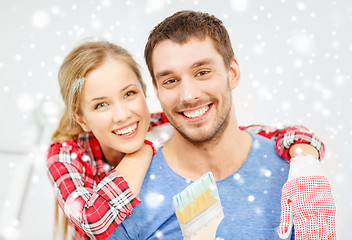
pixel 40 19
pixel 154 200
pixel 237 176
pixel 25 103
pixel 267 173
pixel 154 6
pixel 301 6
pixel 258 211
pixel 251 198
pixel 239 5
pixel 302 43
pixel 159 234
pixel 35 179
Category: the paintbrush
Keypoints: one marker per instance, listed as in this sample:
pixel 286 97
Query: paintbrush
pixel 198 209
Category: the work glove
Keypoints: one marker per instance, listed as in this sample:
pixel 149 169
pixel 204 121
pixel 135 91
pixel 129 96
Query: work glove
pixel 307 202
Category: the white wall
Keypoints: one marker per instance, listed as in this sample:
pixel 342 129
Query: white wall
pixel 295 58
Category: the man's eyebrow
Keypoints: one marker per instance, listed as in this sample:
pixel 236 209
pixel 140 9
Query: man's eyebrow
pixel 199 63
pixel 162 73
pixel 202 62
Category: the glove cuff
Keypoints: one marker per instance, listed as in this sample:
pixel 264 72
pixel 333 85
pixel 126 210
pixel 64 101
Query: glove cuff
pixel 304 166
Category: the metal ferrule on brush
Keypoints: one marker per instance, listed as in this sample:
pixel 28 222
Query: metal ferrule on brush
pixel 202 220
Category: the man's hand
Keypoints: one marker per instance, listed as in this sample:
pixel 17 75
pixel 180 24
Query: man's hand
pixel 307 202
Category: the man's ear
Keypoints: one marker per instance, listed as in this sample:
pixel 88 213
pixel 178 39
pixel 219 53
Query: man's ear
pixel 81 121
pixel 234 74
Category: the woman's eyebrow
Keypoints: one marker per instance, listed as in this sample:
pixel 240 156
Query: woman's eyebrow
pixel 104 97
pixel 127 86
pixel 97 99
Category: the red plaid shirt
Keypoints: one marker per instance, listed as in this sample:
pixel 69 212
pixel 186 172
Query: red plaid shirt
pixel 96 198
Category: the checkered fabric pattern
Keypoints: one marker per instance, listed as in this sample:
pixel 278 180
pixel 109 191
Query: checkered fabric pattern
pixel 96 198
pixel 92 195
pixel 297 134
pixel 310 201
pixel 287 137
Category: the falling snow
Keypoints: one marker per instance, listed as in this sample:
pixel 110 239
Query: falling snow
pixel 251 198
pixel 40 19
pixel 294 56
pixel 159 234
pixel 153 199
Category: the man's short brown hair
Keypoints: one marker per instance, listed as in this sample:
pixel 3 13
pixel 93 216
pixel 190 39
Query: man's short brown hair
pixel 185 24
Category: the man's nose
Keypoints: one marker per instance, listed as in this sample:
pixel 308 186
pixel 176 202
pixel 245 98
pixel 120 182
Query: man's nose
pixel 190 90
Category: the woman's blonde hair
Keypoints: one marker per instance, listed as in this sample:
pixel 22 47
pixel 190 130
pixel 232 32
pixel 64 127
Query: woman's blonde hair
pixel 82 59
pixel 77 64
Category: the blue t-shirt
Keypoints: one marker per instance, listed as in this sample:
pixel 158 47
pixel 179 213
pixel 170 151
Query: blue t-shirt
pixel 250 198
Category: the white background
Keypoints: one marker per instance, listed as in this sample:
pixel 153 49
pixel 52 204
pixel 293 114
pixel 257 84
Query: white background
pixel 295 58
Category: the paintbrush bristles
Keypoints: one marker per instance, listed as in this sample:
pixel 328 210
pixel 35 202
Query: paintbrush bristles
pixel 196 198
pixel 195 207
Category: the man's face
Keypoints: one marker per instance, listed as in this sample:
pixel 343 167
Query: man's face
pixel 194 87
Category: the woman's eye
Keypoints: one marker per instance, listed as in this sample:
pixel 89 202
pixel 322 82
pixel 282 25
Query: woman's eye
pixel 130 93
pixel 100 105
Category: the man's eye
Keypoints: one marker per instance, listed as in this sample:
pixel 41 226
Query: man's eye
pixel 170 81
pixel 101 105
pixel 202 73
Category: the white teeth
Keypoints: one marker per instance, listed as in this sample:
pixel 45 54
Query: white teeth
pixel 126 130
pixel 197 113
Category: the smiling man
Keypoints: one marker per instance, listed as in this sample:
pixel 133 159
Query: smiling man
pixel 194 88
pixel 194 71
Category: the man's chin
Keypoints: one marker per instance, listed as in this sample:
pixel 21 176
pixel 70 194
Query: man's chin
pixel 197 136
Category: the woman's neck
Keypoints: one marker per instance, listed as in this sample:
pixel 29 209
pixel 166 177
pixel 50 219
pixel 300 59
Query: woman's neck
pixel 112 157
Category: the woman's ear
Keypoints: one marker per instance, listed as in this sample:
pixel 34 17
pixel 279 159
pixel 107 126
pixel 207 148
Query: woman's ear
pixel 80 120
pixel 234 74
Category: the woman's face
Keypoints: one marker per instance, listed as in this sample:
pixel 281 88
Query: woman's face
pixel 114 108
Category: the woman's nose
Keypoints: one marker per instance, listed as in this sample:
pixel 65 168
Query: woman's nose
pixel 121 112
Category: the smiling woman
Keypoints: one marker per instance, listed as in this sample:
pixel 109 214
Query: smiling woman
pixel 113 107
pixel 99 155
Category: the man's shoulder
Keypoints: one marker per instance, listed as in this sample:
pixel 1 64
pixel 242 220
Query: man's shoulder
pixel 262 143
pixel 262 138
pixel 264 149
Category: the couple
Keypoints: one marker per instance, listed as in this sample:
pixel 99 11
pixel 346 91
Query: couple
pixel 99 165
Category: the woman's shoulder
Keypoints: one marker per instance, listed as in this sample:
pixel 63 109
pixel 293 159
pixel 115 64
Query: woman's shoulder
pixel 70 145
pixel 64 146
pixel 73 153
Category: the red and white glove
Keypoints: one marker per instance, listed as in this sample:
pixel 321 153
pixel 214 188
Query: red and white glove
pixel 307 202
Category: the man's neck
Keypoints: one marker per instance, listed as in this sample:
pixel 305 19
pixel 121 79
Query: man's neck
pixel 222 157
